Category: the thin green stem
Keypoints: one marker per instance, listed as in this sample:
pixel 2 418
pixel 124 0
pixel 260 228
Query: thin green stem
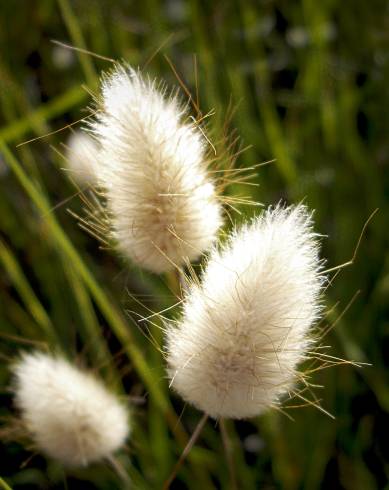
pixel 78 40
pixel 4 485
pixel 228 449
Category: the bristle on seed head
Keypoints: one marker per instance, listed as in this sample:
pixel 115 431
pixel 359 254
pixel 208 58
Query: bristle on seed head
pixel 162 205
pixel 69 414
pixel 245 329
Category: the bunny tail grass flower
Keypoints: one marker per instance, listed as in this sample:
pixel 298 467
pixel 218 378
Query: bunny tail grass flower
pixel 69 414
pixel 163 207
pixel 245 328
pixel 82 157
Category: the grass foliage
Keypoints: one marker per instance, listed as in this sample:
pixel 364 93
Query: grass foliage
pixel 308 81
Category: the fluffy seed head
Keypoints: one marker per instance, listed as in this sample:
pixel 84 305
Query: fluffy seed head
pixel 69 414
pixel 161 203
pixel 82 157
pixel 243 331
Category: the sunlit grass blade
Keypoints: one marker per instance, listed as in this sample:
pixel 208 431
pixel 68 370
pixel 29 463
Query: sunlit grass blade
pixel 4 485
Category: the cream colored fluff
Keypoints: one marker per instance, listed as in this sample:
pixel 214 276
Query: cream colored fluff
pixel 69 414
pixel 162 205
pixel 244 330
pixel 82 157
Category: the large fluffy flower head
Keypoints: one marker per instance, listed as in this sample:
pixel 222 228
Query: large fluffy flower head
pixel 245 328
pixel 82 153
pixel 69 413
pixel 162 205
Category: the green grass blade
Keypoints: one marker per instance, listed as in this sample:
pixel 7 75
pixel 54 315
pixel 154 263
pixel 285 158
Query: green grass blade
pixel 91 330
pixel 115 320
pixel 78 40
pixel 4 485
pixel 57 106
pixel 32 303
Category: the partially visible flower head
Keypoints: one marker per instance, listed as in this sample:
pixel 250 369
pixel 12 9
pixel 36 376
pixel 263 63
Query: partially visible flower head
pixel 69 414
pixel 245 329
pixel 82 157
pixel 162 205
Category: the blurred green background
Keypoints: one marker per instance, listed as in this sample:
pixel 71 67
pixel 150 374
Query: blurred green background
pixel 310 82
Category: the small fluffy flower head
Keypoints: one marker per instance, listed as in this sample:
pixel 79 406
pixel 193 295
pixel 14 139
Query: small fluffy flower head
pixel 162 205
pixel 82 157
pixel 244 330
pixel 69 414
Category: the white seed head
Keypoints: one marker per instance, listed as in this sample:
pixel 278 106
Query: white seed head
pixel 162 205
pixel 244 330
pixel 82 155
pixel 69 414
